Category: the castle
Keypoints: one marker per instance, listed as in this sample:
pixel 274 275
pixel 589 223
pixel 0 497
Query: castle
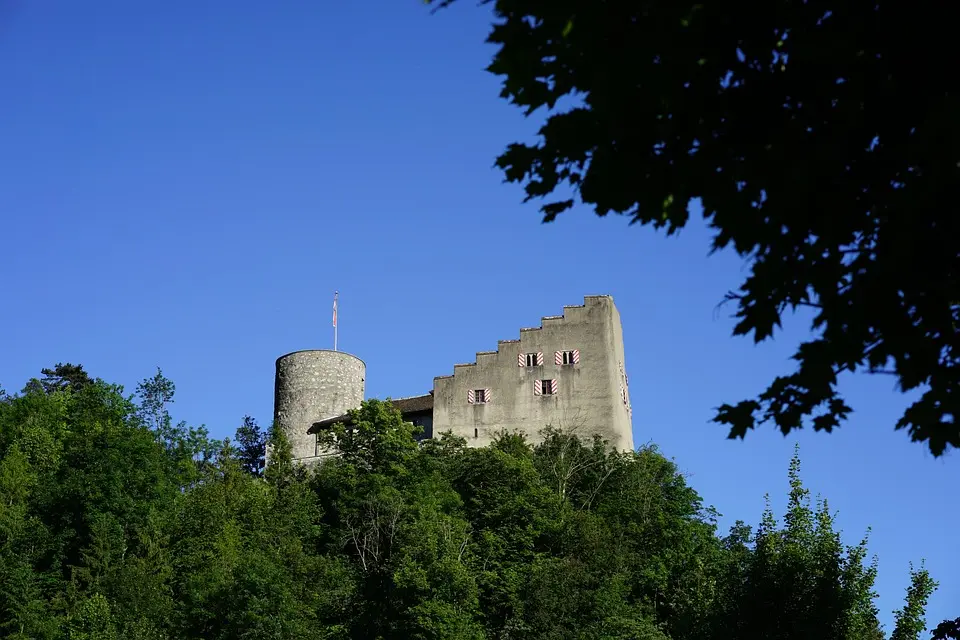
pixel 568 373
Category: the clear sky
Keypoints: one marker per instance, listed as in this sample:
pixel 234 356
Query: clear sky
pixel 183 184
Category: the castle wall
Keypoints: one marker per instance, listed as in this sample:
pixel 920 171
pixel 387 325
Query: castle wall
pixel 621 374
pixel 312 386
pixel 588 397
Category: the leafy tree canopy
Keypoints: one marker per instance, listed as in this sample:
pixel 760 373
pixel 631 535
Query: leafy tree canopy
pixel 117 523
pixel 821 139
pixel 251 446
pixel 62 377
pixel 947 630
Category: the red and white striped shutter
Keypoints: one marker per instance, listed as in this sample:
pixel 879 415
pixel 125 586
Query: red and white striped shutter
pixel 537 388
pixel 521 359
pixel 470 397
pixel 486 395
pixel 558 357
pixel 576 356
pixel 553 386
pixel 539 358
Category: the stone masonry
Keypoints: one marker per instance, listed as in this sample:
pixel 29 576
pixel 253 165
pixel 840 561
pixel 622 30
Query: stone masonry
pixel 569 372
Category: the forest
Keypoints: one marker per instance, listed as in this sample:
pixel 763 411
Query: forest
pixel 116 522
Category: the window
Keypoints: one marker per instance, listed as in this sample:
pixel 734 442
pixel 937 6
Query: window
pixel 478 396
pixel 530 359
pixel 544 387
pixel 567 357
pixel 476 432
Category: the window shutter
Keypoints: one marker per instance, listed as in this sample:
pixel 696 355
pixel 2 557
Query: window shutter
pixel 470 397
pixel 486 395
pixel 558 357
pixel 553 386
pixel 539 358
pixel 537 388
pixel 521 359
pixel 576 356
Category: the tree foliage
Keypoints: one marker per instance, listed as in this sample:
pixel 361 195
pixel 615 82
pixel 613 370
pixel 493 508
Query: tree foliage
pixel 116 522
pixel 947 630
pixel 64 376
pixel 815 145
pixel 251 446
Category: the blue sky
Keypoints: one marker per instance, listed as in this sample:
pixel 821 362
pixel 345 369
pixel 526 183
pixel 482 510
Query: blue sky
pixel 184 185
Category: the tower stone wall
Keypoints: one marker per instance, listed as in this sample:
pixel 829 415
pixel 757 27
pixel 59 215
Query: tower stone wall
pixel 312 386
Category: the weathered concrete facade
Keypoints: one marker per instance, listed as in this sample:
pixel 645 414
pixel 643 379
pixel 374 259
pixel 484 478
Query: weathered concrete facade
pixel 312 386
pixel 587 396
pixel 569 373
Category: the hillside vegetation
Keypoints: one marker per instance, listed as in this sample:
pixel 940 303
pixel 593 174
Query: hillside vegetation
pixel 117 523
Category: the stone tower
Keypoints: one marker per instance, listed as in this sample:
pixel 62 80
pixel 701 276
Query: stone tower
pixel 312 386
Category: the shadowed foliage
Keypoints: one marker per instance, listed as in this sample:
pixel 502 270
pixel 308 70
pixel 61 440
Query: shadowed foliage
pixel 947 630
pixel 820 138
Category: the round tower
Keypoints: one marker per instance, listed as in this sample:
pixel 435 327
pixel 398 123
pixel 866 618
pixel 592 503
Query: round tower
pixel 312 386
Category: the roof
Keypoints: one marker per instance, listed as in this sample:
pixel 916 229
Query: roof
pixel 413 404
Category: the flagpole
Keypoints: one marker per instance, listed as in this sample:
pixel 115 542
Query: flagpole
pixel 335 295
